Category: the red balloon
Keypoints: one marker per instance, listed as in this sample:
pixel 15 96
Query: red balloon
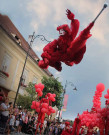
pixel 50 108
pixel 32 107
pixel 98 115
pixel 38 110
pixel 51 98
pixel 38 90
pixel 54 95
pixel 40 93
pixel 100 87
pixel 36 86
pixel 41 86
pixel 53 111
pixel 33 103
pixel 43 110
pixel 37 104
pixel 49 94
pixel 48 113
pixel 108 91
pixel 45 105
pixel 106 96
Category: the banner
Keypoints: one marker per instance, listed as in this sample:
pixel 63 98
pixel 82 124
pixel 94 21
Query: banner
pixel 65 102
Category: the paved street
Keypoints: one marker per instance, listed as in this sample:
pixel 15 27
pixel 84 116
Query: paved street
pixel 17 134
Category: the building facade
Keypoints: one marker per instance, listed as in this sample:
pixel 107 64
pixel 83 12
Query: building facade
pixel 13 51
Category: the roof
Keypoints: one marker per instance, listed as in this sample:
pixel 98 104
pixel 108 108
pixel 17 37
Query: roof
pixel 12 31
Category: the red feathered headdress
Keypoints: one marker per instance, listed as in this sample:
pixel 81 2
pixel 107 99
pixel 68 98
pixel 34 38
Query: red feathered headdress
pixel 65 27
pixel 67 123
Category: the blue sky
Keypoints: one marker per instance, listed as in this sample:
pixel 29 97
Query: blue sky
pixel 43 16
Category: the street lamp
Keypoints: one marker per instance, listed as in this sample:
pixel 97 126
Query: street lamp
pixel 32 38
pixel 66 84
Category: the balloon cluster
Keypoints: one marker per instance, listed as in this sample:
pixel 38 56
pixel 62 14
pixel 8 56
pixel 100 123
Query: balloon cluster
pixel 44 105
pixel 97 117
pixel 107 97
pixel 39 88
pixel 98 94
pixel 88 119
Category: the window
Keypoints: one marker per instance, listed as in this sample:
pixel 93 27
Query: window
pixel 16 38
pixel 6 63
pixel 34 80
pixel 24 78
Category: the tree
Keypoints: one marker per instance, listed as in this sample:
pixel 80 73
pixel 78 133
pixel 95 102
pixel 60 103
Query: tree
pixel 25 101
pixel 52 85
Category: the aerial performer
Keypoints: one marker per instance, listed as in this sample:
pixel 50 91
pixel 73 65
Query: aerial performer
pixel 68 48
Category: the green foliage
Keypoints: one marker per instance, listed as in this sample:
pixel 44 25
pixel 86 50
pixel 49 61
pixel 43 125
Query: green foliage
pixel 30 89
pixel 52 85
pixel 25 101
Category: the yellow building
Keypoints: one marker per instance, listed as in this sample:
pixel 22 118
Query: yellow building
pixel 13 50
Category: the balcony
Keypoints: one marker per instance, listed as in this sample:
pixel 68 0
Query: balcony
pixel 3 74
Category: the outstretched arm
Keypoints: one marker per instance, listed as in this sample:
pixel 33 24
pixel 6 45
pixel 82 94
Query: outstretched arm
pixel 74 24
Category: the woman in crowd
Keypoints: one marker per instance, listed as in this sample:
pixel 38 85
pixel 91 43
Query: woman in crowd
pixel 11 123
pixel 5 108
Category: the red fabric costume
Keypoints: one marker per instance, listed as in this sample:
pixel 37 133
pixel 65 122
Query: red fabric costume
pixel 67 48
pixel 67 130
pixel 76 126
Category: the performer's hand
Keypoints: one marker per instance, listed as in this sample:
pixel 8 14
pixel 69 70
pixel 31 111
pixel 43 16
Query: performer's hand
pixel 69 14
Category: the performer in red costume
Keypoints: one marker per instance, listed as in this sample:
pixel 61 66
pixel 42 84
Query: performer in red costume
pixel 67 130
pixel 67 48
pixel 76 126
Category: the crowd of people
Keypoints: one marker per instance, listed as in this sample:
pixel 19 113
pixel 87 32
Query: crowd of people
pixel 18 120
pixel 14 119
pixel 21 120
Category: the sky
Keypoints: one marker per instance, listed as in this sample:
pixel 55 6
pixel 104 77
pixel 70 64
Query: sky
pixel 43 17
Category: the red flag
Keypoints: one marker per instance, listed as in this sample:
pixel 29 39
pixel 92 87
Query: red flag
pixel 65 102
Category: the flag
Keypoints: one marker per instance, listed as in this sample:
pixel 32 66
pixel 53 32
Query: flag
pixel 65 102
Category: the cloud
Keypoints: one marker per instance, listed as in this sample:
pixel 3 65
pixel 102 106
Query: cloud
pixel 52 13
pixel 58 75
pixel 38 47
pixel 34 25
pixel 40 10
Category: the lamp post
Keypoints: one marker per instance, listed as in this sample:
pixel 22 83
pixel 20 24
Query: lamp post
pixel 66 84
pixel 32 38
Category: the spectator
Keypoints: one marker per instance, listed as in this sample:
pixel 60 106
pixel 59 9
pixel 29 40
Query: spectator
pixel 16 109
pixel 62 125
pixel 31 126
pixel 47 127
pixel 56 129
pixel 25 122
pixel 11 107
pixel 17 123
pixel 11 123
pixel 2 95
pixel 5 111
pixel 45 124
pixel 51 128
pixel 20 123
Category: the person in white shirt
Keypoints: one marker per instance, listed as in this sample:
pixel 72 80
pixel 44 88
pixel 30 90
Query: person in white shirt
pixel 11 123
pixel 17 123
pixel 5 111
pixel 62 125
